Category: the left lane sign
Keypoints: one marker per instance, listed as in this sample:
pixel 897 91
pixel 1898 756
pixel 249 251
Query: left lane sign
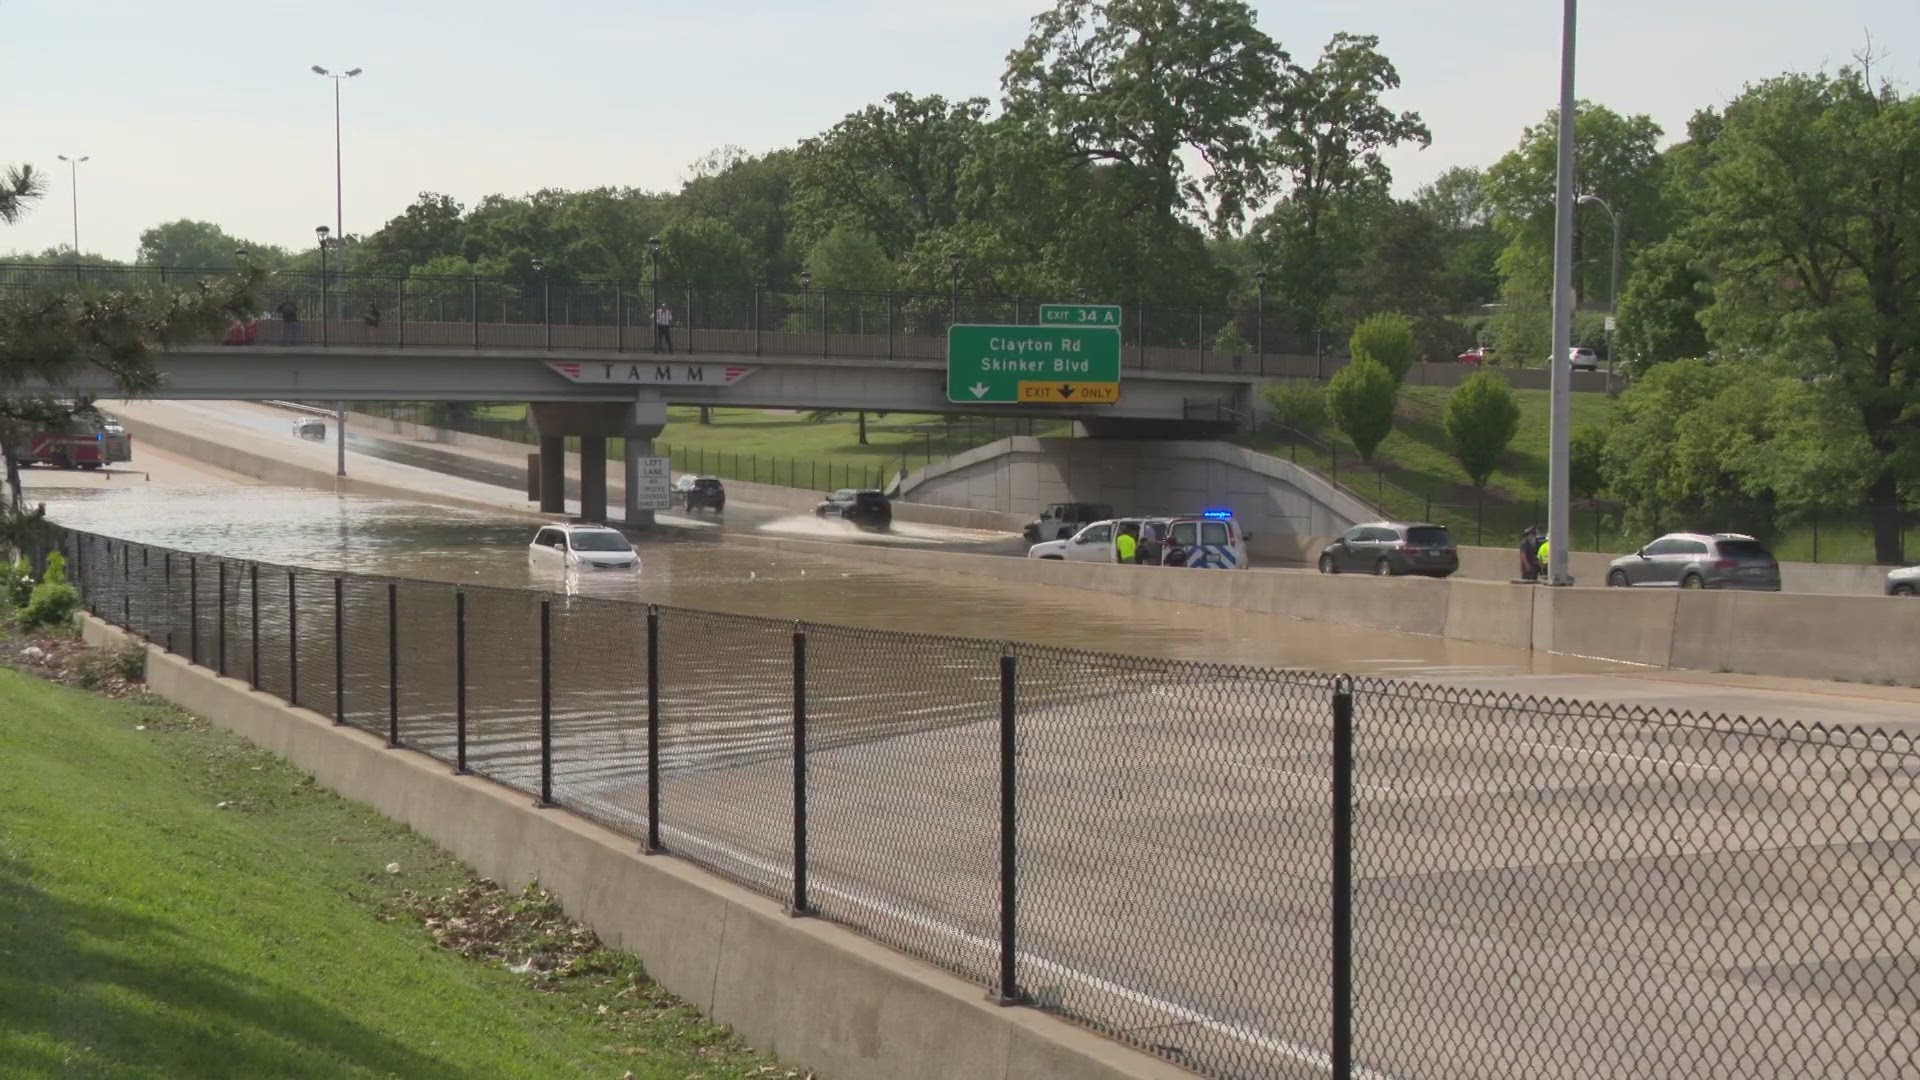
pixel 651 374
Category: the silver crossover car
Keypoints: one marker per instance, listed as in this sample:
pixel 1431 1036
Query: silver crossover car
pixel 1904 582
pixel 1699 561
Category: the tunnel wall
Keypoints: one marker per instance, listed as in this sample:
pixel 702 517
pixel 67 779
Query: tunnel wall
pixel 1277 501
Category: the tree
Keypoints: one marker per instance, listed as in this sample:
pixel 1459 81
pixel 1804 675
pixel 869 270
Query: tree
pixel 1616 158
pixel 1809 204
pixel 704 252
pixel 1660 307
pixel 847 260
pixel 429 229
pixel 1481 420
pixel 1387 340
pixel 1361 400
pixel 201 245
pixel 893 171
pixel 18 189
pixel 1587 450
pixel 1146 85
pixel 49 338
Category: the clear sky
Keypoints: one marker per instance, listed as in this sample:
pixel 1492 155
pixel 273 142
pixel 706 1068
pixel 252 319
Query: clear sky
pixel 207 109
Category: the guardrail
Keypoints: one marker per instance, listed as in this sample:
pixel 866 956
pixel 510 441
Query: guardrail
pixel 1213 863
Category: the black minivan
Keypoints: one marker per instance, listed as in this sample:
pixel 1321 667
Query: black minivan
pixel 1390 549
pixel 868 510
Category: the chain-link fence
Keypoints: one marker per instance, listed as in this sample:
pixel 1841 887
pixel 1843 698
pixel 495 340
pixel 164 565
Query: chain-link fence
pixel 1251 872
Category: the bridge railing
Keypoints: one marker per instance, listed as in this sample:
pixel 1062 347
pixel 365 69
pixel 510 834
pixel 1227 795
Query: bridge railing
pixel 390 311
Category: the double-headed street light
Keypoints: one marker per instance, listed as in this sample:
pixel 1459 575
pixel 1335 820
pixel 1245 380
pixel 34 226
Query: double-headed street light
pixel 73 173
pixel 339 205
pixel 1613 281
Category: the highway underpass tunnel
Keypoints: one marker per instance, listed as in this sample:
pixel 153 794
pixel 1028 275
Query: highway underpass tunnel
pixel 593 422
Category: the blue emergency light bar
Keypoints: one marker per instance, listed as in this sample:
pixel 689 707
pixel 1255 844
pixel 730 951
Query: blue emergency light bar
pixel 1217 515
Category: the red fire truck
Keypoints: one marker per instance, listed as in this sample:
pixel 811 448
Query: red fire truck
pixel 84 444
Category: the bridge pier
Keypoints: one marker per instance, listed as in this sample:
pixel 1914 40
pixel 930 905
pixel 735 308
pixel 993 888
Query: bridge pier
pixel 553 474
pixel 593 422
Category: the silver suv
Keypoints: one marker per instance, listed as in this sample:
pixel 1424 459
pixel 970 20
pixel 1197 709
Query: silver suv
pixel 1699 561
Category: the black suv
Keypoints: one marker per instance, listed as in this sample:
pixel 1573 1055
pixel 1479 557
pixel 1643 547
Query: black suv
pixel 869 510
pixel 1388 549
pixel 697 492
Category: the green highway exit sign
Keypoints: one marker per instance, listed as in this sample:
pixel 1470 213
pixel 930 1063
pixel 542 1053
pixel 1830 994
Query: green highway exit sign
pixel 1080 315
pixel 1033 364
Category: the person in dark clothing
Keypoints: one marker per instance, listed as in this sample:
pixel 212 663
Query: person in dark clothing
pixel 1530 552
pixel 372 318
pixel 289 313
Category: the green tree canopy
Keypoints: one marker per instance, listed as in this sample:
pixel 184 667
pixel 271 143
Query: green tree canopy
pixel 1361 400
pixel 1481 420
pixel 1386 339
pixel 1808 205
pixel 201 245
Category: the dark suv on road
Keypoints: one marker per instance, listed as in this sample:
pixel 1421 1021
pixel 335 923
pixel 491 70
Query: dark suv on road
pixel 700 492
pixel 1699 561
pixel 868 510
pixel 1390 549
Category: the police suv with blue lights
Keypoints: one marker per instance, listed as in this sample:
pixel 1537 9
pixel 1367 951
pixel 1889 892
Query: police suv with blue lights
pixel 1208 541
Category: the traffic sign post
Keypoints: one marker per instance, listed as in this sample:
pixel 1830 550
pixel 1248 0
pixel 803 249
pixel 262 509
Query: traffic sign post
pixel 1080 315
pixel 1033 364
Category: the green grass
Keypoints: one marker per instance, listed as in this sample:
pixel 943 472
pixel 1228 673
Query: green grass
pixel 148 931
pixel 787 448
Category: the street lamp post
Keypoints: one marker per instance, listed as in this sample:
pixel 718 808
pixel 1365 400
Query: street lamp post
pixel 956 261
pixel 1260 312
pixel 546 299
pixel 653 261
pixel 1559 508
pixel 73 175
pixel 340 407
pixel 339 201
pixel 1613 280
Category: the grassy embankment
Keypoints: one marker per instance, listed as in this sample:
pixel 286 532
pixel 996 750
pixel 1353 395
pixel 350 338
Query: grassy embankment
pixel 1416 476
pixel 177 903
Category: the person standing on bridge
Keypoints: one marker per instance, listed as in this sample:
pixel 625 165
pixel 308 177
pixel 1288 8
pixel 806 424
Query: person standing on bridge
pixel 663 328
pixel 289 313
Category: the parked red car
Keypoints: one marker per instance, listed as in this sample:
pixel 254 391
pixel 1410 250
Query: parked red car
pixel 1479 354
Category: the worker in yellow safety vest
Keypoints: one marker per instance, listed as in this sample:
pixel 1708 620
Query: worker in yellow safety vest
pixel 1127 544
pixel 1545 550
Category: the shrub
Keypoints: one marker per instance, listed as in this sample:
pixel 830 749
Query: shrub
pixel 16 583
pixel 1361 399
pixel 1386 339
pixel 1230 342
pixel 53 601
pixel 1481 420
pixel 1299 404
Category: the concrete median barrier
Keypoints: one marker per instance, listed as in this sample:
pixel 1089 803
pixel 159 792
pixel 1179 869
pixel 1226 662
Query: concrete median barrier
pixel 1856 638
pixel 1634 626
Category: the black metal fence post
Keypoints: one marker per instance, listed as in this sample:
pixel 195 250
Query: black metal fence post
pixel 546 703
pixel 800 905
pixel 1008 992
pixel 1340 1049
pixel 653 730
pixel 293 640
pixel 339 652
pixel 253 635
pixel 166 584
pixel 393 664
pixel 126 588
pixel 459 681
pixel 193 608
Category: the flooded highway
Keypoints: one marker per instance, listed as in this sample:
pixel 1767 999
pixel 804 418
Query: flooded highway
pixel 688 567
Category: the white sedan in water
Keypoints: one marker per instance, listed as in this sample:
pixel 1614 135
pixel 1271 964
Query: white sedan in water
pixel 582 547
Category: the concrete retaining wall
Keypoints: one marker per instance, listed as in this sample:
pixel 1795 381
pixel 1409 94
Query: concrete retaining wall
pixel 812 993
pixel 1276 500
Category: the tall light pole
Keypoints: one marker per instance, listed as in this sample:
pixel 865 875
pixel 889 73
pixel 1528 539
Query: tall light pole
pixel 339 202
pixel 1613 280
pixel 1559 506
pixel 956 261
pixel 73 172
pixel 1260 312
pixel 340 407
